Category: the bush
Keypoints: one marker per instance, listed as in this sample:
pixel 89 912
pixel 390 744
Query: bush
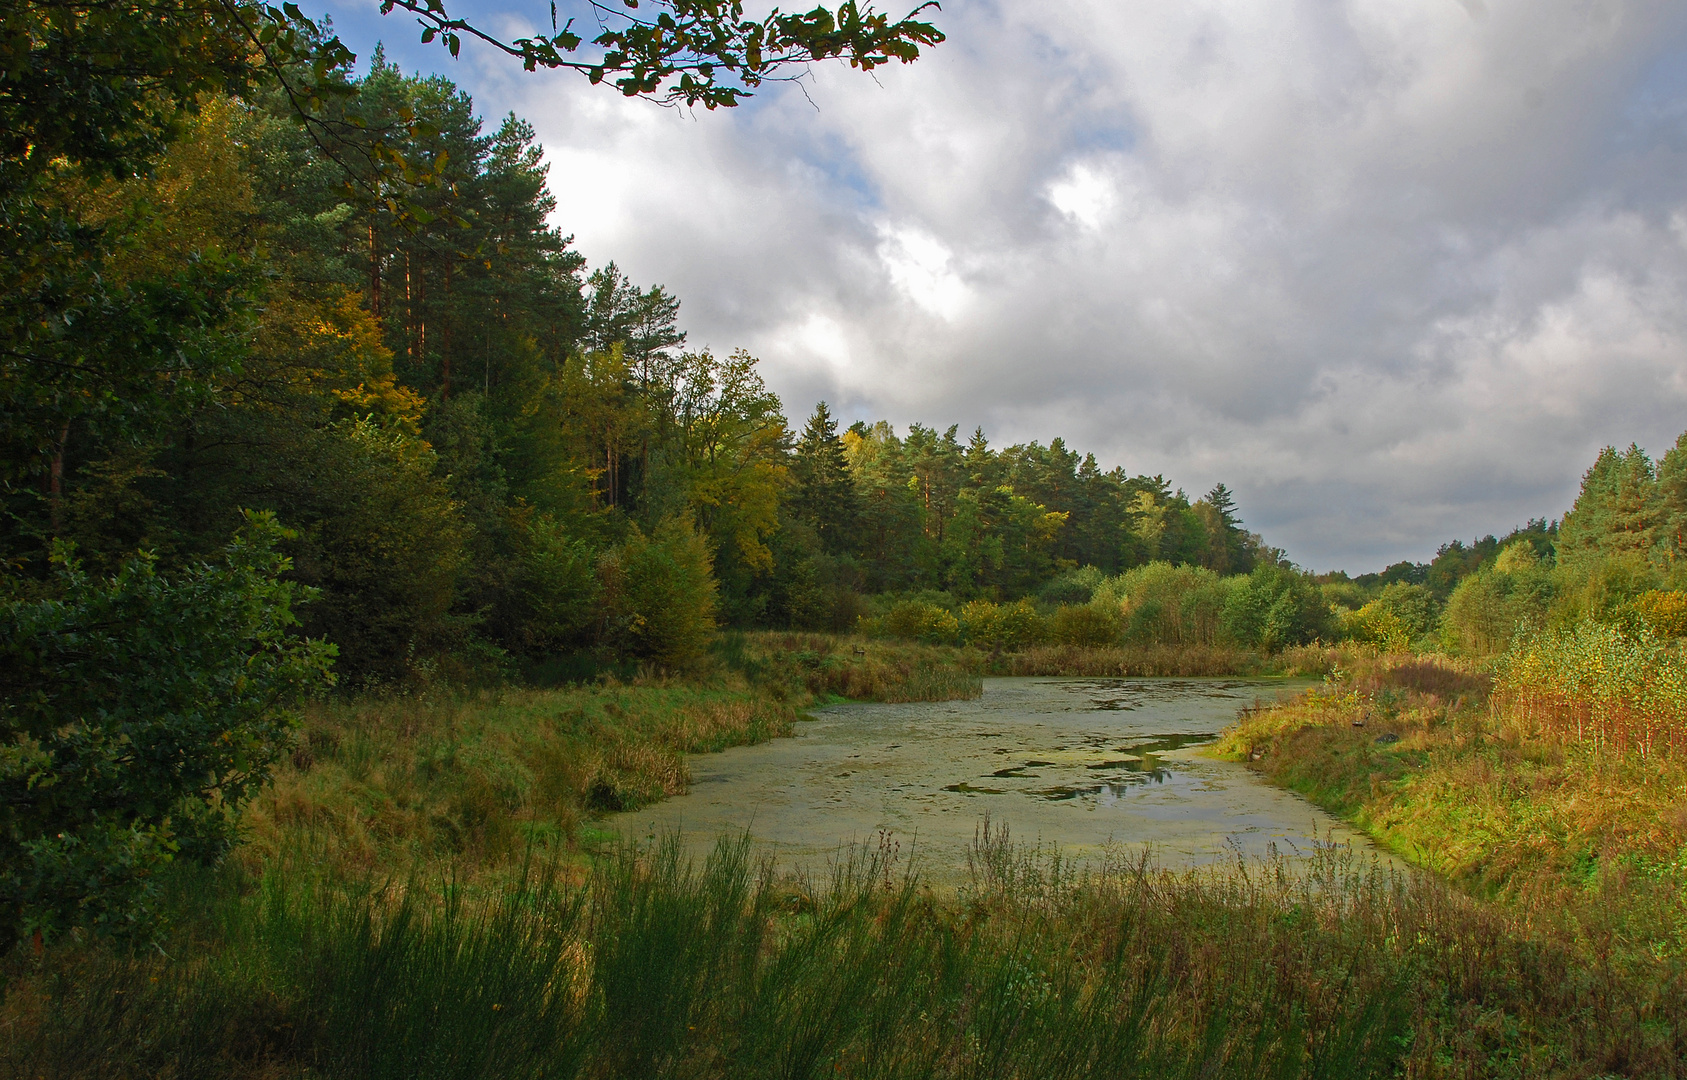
pixel 1087 625
pixel 1073 587
pixel 915 620
pixel 1488 607
pixel 1275 607
pixel 659 595
pixel 1663 611
pixel 1164 604
pixel 550 604
pixel 1002 627
pixel 137 715
pixel 1394 620
pixel 382 538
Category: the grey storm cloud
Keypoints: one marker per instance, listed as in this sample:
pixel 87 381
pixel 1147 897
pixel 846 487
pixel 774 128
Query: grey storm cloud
pixel 1393 270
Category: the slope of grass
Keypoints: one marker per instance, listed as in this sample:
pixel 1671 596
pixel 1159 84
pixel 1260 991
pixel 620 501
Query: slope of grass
pixel 1414 751
pixel 474 778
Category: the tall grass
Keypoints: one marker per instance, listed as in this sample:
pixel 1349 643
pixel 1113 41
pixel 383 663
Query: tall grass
pixel 826 666
pixel 1614 690
pixel 473 778
pixel 656 966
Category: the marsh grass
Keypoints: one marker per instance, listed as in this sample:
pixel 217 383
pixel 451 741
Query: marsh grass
pixel 655 966
pixel 830 666
pixel 472 778
pixel 1148 661
pixel 475 778
pixel 1581 847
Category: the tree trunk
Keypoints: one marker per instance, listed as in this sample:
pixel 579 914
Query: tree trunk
pixel 374 270
pixel 445 343
pixel 55 479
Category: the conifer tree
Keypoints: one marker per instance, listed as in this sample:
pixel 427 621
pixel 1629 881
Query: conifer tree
pixel 1619 509
pixel 823 494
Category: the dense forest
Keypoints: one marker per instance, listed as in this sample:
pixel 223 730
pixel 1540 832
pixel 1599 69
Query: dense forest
pixel 483 453
pixel 481 456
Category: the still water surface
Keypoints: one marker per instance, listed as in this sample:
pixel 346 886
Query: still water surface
pixel 1069 762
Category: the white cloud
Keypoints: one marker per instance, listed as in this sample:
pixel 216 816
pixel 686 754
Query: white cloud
pixel 1393 270
pixel 1086 194
pixel 919 265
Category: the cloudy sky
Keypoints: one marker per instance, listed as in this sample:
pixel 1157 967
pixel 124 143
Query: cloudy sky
pixel 1393 270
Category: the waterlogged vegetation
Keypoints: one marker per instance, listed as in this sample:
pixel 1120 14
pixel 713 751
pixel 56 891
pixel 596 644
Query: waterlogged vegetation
pixel 1081 765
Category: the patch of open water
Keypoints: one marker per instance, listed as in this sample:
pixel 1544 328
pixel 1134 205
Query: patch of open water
pixel 1074 763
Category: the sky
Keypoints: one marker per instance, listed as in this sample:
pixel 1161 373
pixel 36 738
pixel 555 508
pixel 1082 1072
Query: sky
pixel 1392 270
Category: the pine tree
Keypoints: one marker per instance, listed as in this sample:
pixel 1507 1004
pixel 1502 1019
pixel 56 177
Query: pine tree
pixel 824 495
pixel 1619 509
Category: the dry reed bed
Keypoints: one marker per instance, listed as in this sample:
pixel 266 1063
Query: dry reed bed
pixel 1149 661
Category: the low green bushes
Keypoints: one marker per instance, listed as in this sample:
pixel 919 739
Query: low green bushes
pixel 1157 605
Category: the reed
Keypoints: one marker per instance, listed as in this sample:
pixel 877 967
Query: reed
pixel 1139 661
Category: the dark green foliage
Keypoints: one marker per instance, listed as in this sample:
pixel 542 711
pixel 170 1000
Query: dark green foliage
pixel 659 595
pixel 1276 607
pixel 551 598
pixel 379 536
pixel 823 493
pixel 137 715
pixel 1620 509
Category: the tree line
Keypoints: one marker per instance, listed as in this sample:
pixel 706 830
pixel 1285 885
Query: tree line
pixel 484 454
pixel 1615 559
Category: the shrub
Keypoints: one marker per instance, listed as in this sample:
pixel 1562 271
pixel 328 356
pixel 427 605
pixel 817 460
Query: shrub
pixel 382 538
pixel 137 715
pixel 915 620
pixel 1002 627
pixel 1663 611
pixel 1394 620
pixel 551 602
pixel 659 595
pixel 1164 604
pixel 1087 625
pixel 1275 607
pixel 1073 587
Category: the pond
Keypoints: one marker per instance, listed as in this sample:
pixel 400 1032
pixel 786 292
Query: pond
pixel 1073 763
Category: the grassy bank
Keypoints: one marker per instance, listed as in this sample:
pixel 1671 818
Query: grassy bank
pixel 1416 752
pixel 474 779
pixel 654 968
pixel 1577 842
